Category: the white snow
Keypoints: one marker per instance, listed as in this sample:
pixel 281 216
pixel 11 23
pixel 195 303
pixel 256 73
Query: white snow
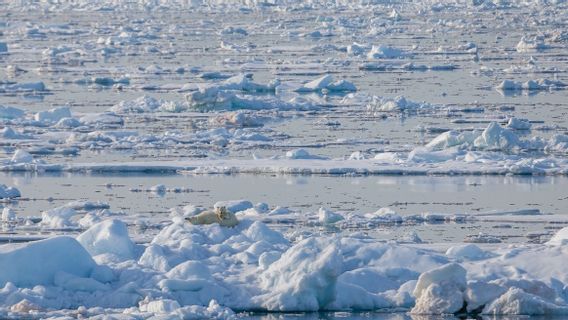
pixel 38 263
pixel 559 238
pixel 281 88
pixel 328 217
pixel 53 115
pixel 327 83
pixel 108 237
pixel 252 266
pixel 534 44
pixel 385 52
pixel 441 290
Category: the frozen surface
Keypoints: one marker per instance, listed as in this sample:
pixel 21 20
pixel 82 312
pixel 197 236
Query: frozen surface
pixel 380 156
pixel 254 267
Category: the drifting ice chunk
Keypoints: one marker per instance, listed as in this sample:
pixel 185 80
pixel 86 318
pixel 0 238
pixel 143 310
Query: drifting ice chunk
pixel 243 83
pixel 10 112
pixel 140 105
pixel 327 83
pixel 509 85
pixel 301 154
pixel 518 124
pixel 53 115
pixel 399 104
pixel 481 238
pixel 531 85
pixel 23 87
pixel 58 218
pixel 8 214
pixel 385 215
pixel 67 123
pixel 279 210
pixel 328 217
pixel 531 45
pixel 106 118
pixel 8 192
pixel 385 52
pixel 158 189
pixel 357 49
pixel 495 137
pixel 452 138
pixel 237 119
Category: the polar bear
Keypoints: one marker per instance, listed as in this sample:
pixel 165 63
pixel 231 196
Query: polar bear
pixel 221 215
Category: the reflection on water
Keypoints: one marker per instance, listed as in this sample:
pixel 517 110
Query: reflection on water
pixel 407 195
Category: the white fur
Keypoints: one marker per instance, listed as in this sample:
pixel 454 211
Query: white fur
pixel 221 216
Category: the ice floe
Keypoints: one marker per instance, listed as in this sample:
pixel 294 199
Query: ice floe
pixel 327 83
pixel 253 267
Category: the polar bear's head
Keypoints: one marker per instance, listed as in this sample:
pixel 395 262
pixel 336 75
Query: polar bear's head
pixel 222 213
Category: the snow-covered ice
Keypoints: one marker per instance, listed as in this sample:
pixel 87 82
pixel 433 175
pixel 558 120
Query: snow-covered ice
pixel 379 156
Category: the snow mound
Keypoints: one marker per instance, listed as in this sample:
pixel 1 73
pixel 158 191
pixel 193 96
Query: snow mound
pixel 37 263
pixel 466 251
pixel 328 217
pixel 496 137
pixel 108 237
pixel 441 290
pixel 304 278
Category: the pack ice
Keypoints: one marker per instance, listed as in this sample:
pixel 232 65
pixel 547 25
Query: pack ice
pixel 187 269
pixel 341 88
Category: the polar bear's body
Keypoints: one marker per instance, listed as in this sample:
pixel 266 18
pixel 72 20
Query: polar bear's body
pixel 205 217
pixel 221 216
